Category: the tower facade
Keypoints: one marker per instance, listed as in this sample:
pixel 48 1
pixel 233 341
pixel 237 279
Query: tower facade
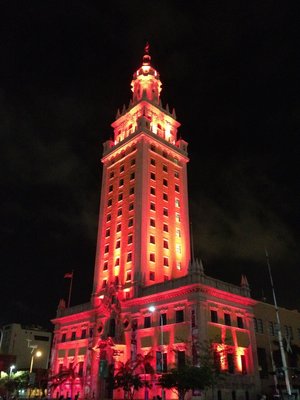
pixel 149 300
pixel 143 236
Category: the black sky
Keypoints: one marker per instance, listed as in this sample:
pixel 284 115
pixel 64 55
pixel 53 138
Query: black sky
pixel 231 70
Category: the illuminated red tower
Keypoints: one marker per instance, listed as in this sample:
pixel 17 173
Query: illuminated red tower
pixel 143 235
pixel 148 297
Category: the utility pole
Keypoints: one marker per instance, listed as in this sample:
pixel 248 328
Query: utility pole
pixel 283 358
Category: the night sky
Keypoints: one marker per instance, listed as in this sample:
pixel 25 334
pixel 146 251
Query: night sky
pixel 231 71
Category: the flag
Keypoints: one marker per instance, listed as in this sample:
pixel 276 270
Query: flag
pixel 68 275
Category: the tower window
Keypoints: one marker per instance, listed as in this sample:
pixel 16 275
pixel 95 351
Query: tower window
pixel 106 248
pixel 119 227
pixel 177 217
pixel 176 174
pixel 129 257
pixel 119 213
pixel 166 244
pixel 108 217
pixel 177 188
pixel 128 276
pixel 131 206
pixel 166 262
pixel 109 202
pixel 118 244
pixel 132 176
pixel 152 176
pixel 165 168
pixel 165 228
pixel 130 222
pixel 165 196
pixel 152 161
pixel 152 257
pixel 152 147
pixel 111 175
pixel 178 248
pixel 152 191
pixel 131 190
pixel 178 232
pixel 117 262
pixel 107 233
pixel 152 276
pixel 105 266
pixel 147 322
pixel 163 319
pixel 177 203
pixel 121 182
pixel 227 319
pixel 152 239
pixel 178 265
pixel 152 206
pixel 165 212
pixel 120 197
pixel 110 188
pixel 132 162
pixel 165 182
pixel 122 168
pixel 240 322
pixel 130 239
pixel 152 222
pixel 165 154
pixel 179 316
pixel 104 282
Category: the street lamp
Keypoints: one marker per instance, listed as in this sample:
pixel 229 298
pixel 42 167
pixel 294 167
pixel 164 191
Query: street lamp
pixel 152 309
pixel 35 354
pixel 11 369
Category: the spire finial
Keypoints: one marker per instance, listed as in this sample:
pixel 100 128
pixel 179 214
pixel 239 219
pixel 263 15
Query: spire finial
pixel 147 47
pixel 147 57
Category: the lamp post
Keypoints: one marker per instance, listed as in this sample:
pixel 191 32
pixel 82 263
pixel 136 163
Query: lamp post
pixel 11 368
pixel 34 354
pixel 152 309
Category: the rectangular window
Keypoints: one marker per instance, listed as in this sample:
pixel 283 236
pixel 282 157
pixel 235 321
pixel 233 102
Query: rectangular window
pixel 131 190
pixel 109 202
pixel 83 334
pixel 106 248
pixel 119 213
pixel 122 168
pixel 180 359
pixel 165 182
pixel 110 188
pixel 152 161
pixel 165 196
pixel 165 212
pixel 130 222
pixel 63 337
pixel 107 233
pixel 112 174
pixel 132 176
pixel 119 227
pixel 152 222
pixel 152 206
pixel 105 266
pixel 166 262
pixel 108 217
pixel 271 329
pixel 178 265
pixel 165 168
pixel 121 182
pixel 147 322
pixel 152 276
pixel 258 325
pixel 118 244
pixel 120 197
pixel 152 257
pixel 244 365
pixel 177 203
pixel 178 232
pixel 240 322
pixel 152 191
pixel 117 262
pixel 104 283
pixel 130 239
pixel 73 335
pixel 177 188
pixel 166 244
pixel 164 154
pixel 213 316
pixel 152 176
pixel 165 228
pixel 227 319
pixel 132 162
pixel 176 174
pixel 129 257
pixel 80 368
pixel 128 276
pixel 152 239
pixel 178 248
pixel 131 206
pixel 177 217
pixel 179 316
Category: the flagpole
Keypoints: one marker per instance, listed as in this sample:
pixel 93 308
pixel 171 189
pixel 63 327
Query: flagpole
pixel 283 358
pixel 70 288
